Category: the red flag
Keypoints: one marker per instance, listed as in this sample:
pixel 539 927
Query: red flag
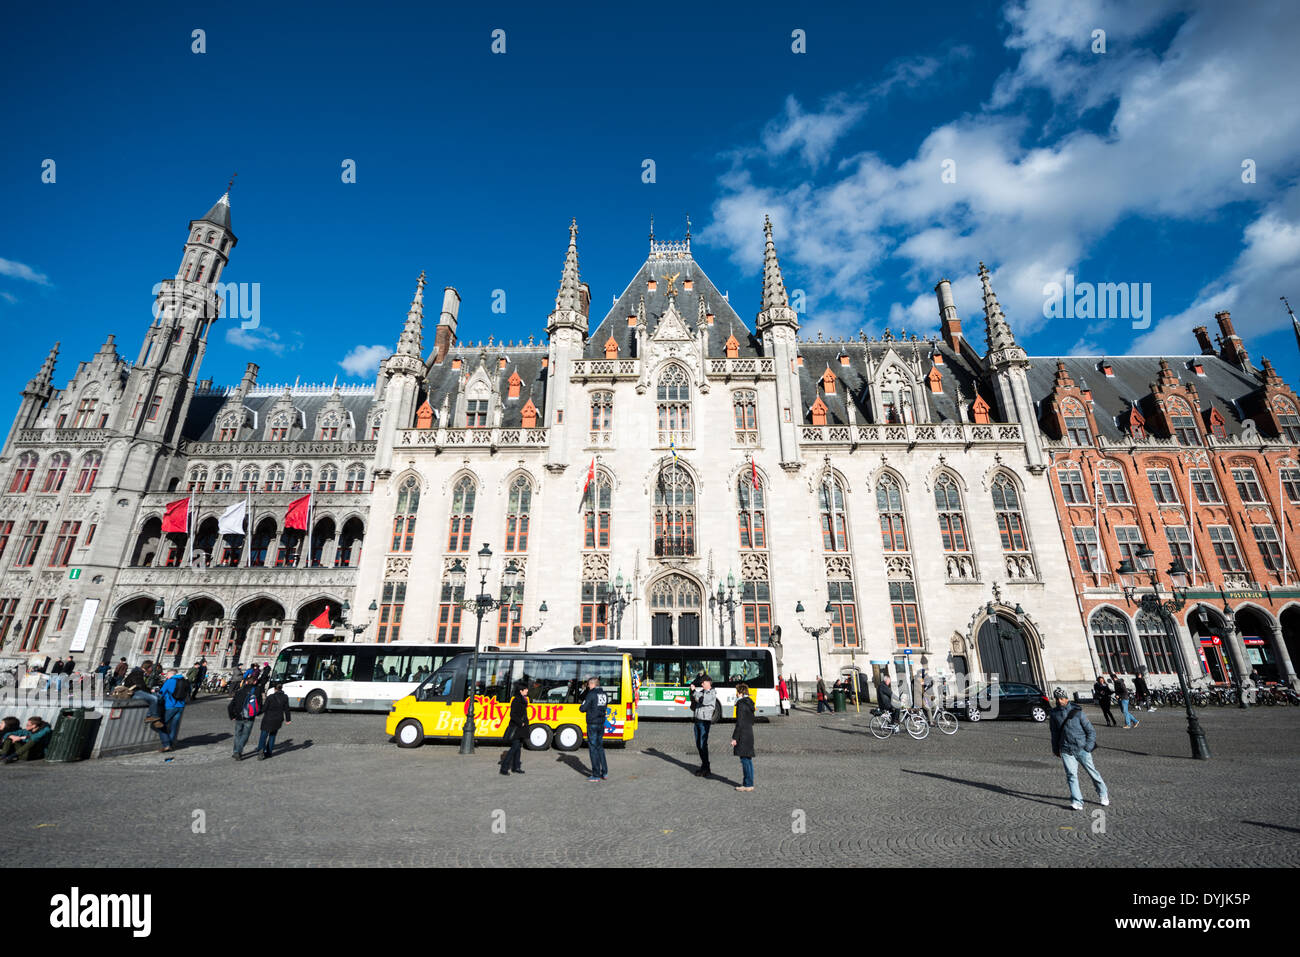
pixel 754 471
pixel 591 474
pixel 176 518
pixel 296 517
pixel 322 620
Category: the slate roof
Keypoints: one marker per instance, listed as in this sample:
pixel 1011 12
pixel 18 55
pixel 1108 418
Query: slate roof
pixel 201 425
pixel 219 213
pixel 442 380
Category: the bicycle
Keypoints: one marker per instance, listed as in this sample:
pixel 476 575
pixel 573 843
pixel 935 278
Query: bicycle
pixel 911 720
pixel 945 721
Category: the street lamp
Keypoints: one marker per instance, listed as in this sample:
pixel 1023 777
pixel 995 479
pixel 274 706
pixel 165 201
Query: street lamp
pixel 480 605
pixel 358 629
pixel 1166 609
pixel 815 632
pixel 541 620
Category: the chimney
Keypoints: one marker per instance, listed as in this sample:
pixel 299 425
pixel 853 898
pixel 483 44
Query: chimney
pixel 249 380
pixel 205 385
pixel 445 336
pixel 1203 340
pixel 948 319
pixel 584 292
pixel 1234 350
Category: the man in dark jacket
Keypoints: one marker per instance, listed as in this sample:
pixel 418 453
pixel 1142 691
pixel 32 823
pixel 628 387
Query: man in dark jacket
pixel 244 707
pixel 277 715
pixel 516 728
pixel 200 674
pixel 1073 741
pixel 704 701
pixel 264 678
pixel 594 705
pixel 742 737
pixel 139 681
pixel 885 697
pixel 1101 691
pixel 119 673
pixel 1123 694
pixel 1141 693
pixel 822 702
pixel 173 698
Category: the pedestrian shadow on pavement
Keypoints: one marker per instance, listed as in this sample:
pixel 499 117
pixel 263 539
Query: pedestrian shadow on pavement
pixel 201 739
pixel 289 745
pixel 860 730
pixel 713 775
pixel 571 761
pixel 1276 827
pixel 996 788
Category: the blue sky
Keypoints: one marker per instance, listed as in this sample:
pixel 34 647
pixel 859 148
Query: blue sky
pixel 1122 166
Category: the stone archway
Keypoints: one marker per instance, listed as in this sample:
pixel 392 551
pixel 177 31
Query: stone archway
pixel 1008 650
pixel 676 609
pixel 1255 628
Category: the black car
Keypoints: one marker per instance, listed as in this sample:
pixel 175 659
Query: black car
pixel 1013 700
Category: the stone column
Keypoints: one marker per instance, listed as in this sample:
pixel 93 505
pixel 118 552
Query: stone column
pixel 1286 667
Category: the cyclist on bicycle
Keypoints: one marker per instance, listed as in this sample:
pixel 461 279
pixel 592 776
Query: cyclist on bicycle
pixel 885 695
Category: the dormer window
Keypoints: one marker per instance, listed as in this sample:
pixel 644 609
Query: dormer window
pixel 819 412
pixel 515 383
pixel 1076 429
pixel 1183 428
pixel 828 381
pixel 476 413
pixel 980 410
pixel 733 348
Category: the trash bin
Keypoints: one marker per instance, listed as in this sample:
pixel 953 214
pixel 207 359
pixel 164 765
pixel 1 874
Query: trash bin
pixel 68 742
pixel 840 703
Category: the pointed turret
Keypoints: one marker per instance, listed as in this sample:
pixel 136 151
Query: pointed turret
pixel 775 309
pixel 999 336
pixel 411 342
pixel 41 385
pixel 569 312
pixel 220 212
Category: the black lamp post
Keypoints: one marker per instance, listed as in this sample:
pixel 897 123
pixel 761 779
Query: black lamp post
pixel 727 597
pixel 541 620
pixel 480 605
pixel 357 629
pixel 615 601
pixel 815 632
pixel 1166 609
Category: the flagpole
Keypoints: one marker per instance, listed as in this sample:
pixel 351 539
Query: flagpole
pixel 310 493
pixel 1191 524
pixel 189 532
pixel 248 536
pixel 1281 521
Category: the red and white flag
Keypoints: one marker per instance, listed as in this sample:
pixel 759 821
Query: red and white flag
pixel 322 620
pixel 591 474
pixel 753 471
pixel 176 517
pixel 297 516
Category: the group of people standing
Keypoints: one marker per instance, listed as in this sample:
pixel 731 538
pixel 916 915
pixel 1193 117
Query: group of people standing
pixel 595 705
pixel 1139 698
pixel 706 709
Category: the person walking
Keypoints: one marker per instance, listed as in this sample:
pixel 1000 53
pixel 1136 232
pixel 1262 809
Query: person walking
pixel 264 678
pixel 275 715
pixel 742 737
pixel 822 703
pixel 244 707
pixel 595 704
pixel 704 701
pixel 1123 694
pixel 172 696
pixel 783 695
pixel 199 678
pixel 1141 692
pixel 1102 693
pixel 516 729
pixel 885 698
pixel 1073 741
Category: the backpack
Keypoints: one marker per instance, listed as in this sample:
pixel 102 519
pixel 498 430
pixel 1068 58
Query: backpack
pixel 251 707
pixel 182 690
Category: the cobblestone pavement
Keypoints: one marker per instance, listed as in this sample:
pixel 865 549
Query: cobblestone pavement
pixel 341 793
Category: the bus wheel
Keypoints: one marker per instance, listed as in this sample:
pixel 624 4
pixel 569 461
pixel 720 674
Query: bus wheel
pixel 315 702
pixel 410 734
pixel 568 737
pixel 537 737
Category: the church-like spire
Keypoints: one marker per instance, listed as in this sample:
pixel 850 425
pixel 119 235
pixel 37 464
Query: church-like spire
pixel 775 308
pixel 220 211
pixel 45 377
pixel 411 342
pixel 570 295
pixel 999 335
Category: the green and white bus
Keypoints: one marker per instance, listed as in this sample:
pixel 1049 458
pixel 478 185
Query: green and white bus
pixel 665 672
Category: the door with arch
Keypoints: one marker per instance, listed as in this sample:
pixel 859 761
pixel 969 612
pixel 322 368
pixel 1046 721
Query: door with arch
pixel 1004 650
pixel 675 606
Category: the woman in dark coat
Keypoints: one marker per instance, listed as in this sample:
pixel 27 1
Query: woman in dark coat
pixel 275 715
pixel 516 728
pixel 742 738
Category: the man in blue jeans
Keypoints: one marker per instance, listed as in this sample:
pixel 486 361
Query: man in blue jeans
pixel 1073 741
pixel 704 701
pixel 138 681
pixel 594 705
pixel 1123 694
pixel 172 699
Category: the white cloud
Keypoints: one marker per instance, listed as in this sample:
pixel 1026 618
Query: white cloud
pixel 363 361
pixel 19 270
pixel 8 297
pixel 260 339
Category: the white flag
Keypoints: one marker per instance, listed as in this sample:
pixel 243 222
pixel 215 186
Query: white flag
pixel 232 519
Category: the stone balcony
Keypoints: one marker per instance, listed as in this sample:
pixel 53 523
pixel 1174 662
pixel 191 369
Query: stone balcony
pixel 81 438
pixel 910 434
pixel 334 448
pixel 218 576
pixel 606 368
pixel 490 439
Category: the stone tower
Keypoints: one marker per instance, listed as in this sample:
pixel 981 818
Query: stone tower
pixel 778 325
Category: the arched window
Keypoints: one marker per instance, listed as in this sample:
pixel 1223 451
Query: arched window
pixel 1182 424
pixel 249 478
pixel 462 516
pixel 889 502
pixel 896 398
pixel 275 478
pixel 674 513
pixel 1011 521
pixel 1076 423
pixel 85 417
pixel 89 472
pixel 24 470
pixel 1110 635
pixel 830 496
pixel 280 425
pixel 744 405
pixel 1156 646
pixel 329 426
pixel 753 512
pixel 517 509
pixel 597 513
pixel 408 503
pixel 328 479
pixel 1288 423
pixel 57 472
pixel 222 478
pixel 198 479
pixel 602 415
pixel 356 479
pixel 952 519
pixel 674 397
pixel 301 478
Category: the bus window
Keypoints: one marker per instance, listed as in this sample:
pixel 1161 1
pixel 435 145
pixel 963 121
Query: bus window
pixel 392 668
pixel 292 665
pixel 332 666
pixel 741 669
pixel 608 673
pixel 694 666
pixel 665 672
pixel 447 683
pixel 553 681
pixel 421 667
pixel 364 667
pixel 753 669
pixel 494 677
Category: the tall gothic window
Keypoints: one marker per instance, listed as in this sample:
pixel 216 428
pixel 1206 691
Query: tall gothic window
pixel 275 478
pixel 835 536
pixel 85 417
pixel 408 503
pixel 889 502
pixel 390 611
pixel 222 478
pixel 1011 521
pixel 597 513
pixel 952 520
pixel 462 516
pixel 602 415
pixel 517 509
pixel 674 397
pixel 1110 635
pixel 57 472
pixel 449 613
pixel 1156 646
pixel 301 478
pixel 674 513
pixel 753 513
pixel 356 479
pixel 23 472
pixel 328 478
pixel 89 472
pixel 198 479
pixel 744 405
